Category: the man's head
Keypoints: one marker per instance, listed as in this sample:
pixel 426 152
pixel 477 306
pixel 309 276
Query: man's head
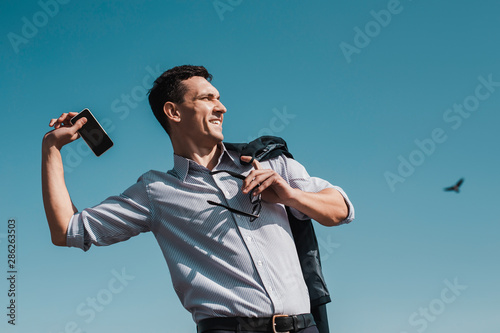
pixel 184 98
pixel 168 87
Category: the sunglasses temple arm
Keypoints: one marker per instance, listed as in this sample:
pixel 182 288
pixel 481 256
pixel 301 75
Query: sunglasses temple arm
pixel 232 210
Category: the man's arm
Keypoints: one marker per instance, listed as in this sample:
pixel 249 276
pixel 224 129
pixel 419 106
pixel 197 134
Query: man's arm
pixel 56 199
pixel 328 206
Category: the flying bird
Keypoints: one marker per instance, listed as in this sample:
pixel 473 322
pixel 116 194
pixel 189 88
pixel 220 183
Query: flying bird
pixel 455 187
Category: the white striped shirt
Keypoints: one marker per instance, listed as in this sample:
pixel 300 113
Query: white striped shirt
pixel 221 264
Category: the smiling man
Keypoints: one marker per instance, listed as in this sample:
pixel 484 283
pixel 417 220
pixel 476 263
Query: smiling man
pixel 221 224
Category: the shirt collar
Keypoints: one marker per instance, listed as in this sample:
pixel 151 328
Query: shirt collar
pixel 182 165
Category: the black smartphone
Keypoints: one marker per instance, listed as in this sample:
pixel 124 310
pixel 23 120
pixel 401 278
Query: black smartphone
pixel 93 133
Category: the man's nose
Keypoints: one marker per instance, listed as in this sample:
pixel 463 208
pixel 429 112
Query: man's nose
pixel 219 107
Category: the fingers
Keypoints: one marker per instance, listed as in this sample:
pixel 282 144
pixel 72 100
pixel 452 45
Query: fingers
pixel 79 123
pixel 264 184
pixel 249 183
pixel 255 163
pixel 257 178
pixel 63 120
pixel 64 132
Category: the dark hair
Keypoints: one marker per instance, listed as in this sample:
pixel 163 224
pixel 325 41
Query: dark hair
pixel 168 87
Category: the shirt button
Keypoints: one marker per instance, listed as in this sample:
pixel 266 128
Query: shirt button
pixel 259 263
pixel 270 288
pixel 249 239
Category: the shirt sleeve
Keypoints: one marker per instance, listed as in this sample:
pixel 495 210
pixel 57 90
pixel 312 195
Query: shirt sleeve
pixel 114 220
pixel 296 175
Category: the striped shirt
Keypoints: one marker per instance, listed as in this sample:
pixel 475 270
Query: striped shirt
pixel 221 264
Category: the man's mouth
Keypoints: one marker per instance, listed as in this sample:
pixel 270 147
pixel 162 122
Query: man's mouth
pixel 216 122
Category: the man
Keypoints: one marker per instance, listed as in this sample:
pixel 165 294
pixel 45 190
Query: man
pixel 220 223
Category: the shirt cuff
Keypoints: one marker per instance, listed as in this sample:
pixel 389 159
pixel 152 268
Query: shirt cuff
pixel 75 236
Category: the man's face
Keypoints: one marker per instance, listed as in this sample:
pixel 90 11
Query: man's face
pixel 201 112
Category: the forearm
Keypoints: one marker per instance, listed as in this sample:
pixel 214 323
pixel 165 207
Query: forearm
pixel 328 206
pixel 57 202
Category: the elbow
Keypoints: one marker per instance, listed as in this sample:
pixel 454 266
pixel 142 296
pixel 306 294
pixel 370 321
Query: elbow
pixel 342 215
pixel 332 222
pixel 59 240
pixel 338 210
pixel 58 231
pixel 337 217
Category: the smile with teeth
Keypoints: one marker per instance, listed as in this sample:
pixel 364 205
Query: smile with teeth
pixel 216 122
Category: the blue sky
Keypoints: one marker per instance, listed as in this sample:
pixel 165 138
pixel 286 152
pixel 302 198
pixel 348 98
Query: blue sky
pixel 391 100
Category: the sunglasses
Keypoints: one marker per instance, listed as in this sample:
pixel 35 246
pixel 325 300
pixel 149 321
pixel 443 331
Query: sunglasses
pixel 255 200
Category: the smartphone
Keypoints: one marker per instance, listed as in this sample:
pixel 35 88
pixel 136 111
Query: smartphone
pixel 93 133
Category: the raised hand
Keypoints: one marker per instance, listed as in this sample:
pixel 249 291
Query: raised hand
pixel 64 132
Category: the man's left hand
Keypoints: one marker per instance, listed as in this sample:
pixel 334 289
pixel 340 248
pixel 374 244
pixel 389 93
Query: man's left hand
pixel 267 182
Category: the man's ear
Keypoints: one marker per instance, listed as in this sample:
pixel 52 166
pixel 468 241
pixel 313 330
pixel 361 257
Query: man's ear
pixel 171 111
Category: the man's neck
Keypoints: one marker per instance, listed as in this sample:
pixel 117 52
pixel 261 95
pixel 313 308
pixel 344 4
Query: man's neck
pixel 204 156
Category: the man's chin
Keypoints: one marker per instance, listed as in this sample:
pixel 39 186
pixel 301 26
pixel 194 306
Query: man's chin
pixel 214 139
pixel 219 137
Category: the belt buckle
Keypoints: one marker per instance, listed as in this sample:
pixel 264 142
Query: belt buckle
pixel 274 323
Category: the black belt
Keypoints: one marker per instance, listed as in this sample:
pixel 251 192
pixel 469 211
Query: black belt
pixel 275 324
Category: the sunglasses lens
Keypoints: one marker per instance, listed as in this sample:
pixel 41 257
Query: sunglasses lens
pixel 256 209
pixel 254 198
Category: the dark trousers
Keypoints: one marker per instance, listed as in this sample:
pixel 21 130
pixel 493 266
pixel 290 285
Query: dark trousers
pixel 311 329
